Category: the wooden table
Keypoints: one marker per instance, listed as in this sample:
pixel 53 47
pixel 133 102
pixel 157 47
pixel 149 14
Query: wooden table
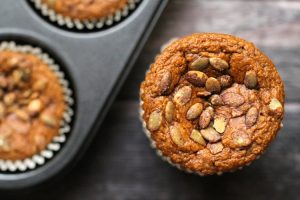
pixel 120 164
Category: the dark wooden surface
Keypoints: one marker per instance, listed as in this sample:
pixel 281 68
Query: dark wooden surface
pixel 120 163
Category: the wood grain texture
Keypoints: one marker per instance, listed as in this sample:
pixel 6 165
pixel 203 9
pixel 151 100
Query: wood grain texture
pixel 120 164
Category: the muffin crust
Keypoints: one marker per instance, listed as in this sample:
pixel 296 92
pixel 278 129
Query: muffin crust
pixel 227 102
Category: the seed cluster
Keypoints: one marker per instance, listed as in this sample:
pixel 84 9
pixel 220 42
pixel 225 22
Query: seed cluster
pixel 218 96
pixel 22 102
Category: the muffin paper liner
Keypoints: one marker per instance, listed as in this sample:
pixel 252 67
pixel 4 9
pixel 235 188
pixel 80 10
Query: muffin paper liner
pixel 78 24
pixel 53 147
pixel 152 142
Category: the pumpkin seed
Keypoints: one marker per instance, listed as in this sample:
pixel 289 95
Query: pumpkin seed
pixel 197 137
pixel 164 83
pixel 212 85
pixel 176 136
pixel 154 121
pixel 199 64
pixel 34 106
pixel 206 117
pixel 220 124
pixel 241 138
pixel 40 85
pixel 225 81
pixel 210 134
pixel 196 78
pixel 275 104
pixel 194 111
pixel 232 99
pixel 251 116
pixel 49 120
pixel 250 79
pixel 22 115
pixel 218 63
pixel 203 93
pixel 216 100
pixel 169 111
pixel 183 95
pixel 9 99
pixel 215 148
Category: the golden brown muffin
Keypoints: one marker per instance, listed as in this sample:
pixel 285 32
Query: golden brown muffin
pixel 31 105
pixel 85 9
pixel 212 102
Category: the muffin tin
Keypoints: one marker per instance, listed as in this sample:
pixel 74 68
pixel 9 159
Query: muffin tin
pixel 96 64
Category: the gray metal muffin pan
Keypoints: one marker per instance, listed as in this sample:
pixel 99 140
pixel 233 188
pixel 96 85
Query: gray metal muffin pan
pixel 96 65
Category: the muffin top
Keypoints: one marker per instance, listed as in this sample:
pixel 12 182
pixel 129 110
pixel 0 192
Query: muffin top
pixel 31 105
pixel 85 9
pixel 212 102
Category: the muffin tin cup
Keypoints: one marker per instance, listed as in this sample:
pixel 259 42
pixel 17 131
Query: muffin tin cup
pixel 78 24
pixel 55 145
pixel 153 143
pixel 96 64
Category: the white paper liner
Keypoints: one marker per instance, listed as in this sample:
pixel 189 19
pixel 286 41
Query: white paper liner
pixel 56 144
pixel 78 24
pixel 152 142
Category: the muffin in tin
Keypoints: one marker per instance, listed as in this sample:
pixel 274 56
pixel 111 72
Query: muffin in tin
pixel 211 103
pixel 34 107
pixel 85 9
pixel 85 14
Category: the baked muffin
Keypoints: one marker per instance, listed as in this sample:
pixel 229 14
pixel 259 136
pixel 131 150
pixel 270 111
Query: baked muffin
pixel 31 105
pixel 85 15
pixel 86 9
pixel 211 103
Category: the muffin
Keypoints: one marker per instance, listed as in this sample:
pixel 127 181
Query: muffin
pixel 31 107
pixel 211 103
pixel 85 14
pixel 85 9
pixel 35 107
